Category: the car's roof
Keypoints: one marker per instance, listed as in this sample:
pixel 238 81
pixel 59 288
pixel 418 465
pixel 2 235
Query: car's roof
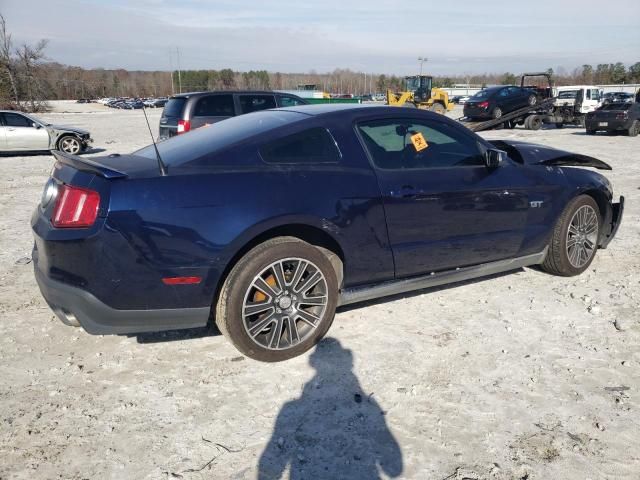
pixel 227 92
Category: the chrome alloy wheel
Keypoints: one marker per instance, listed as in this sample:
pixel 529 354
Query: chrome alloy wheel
pixel 582 236
pixel 70 145
pixel 285 303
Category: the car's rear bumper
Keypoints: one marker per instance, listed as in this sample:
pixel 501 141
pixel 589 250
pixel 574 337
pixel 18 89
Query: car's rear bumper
pixel 77 307
pixel 611 124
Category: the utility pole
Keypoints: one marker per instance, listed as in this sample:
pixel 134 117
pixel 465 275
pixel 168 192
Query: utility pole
pixel 179 75
pixel 422 60
pixel 173 90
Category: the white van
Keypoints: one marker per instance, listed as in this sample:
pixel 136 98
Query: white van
pixel 591 97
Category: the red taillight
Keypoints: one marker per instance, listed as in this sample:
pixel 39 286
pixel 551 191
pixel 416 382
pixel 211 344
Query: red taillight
pixel 75 207
pixel 622 116
pixel 184 126
pixel 483 104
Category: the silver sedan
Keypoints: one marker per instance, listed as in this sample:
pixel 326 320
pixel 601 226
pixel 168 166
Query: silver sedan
pixel 20 132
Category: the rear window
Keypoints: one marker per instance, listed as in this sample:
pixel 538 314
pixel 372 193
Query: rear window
pixel 215 106
pixel 315 145
pixel 209 140
pixel 254 103
pixel 482 95
pixel 173 107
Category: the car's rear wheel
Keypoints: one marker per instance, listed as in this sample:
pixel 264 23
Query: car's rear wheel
pixel 497 113
pixel 279 300
pixel 70 144
pixel 634 129
pixel 574 240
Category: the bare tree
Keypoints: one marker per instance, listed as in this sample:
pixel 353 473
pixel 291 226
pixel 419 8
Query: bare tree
pixel 30 59
pixel 7 60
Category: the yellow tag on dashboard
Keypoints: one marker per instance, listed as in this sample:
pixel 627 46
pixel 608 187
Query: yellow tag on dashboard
pixel 419 143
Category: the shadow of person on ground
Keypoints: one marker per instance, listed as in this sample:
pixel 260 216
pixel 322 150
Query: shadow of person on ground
pixel 334 430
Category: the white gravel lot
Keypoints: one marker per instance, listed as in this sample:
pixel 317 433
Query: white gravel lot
pixel 520 376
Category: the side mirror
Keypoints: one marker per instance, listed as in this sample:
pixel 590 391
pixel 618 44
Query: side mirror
pixel 36 125
pixel 493 158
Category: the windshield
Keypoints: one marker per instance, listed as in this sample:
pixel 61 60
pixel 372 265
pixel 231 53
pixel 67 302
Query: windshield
pixel 213 138
pixel 36 119
pixel 568 94
pixel 413 84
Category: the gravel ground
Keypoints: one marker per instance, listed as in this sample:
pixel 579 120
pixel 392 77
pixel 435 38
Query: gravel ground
pixel 519 376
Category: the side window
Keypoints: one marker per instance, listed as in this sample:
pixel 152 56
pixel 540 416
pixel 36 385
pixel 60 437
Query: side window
pixel 595 94
pixel 16 120
pixel 214 106
pixel 315 145
pixel 289 101
pixel 504 92
pixel 410 144
pixel 253 103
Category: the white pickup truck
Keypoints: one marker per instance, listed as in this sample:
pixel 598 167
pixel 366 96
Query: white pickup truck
pixel 574 102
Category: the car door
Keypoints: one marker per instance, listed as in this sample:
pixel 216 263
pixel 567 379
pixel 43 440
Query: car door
pixel 444 207
pixel 504 100
pixel 210 109
pixel 22 133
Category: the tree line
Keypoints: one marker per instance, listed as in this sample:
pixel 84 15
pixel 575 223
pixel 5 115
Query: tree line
pixel 28 79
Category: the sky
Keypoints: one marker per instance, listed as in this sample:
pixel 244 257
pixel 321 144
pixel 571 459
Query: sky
pixel 377 36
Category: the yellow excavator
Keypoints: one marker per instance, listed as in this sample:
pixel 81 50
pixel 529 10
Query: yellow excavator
pixel 419 93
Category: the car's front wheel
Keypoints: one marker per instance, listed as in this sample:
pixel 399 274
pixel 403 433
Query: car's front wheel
pixel 575 236
pixel 70 144
pixel 279 300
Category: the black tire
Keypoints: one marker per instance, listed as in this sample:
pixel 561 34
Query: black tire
pixel 557 261
pixel 559 124
pixel 634 129
pixel 237 288
pixel 510 124
pixel 70 144
pixel 497 113
pixel 532 100
pixel 535 122
pixel 437 107
pixel 591 132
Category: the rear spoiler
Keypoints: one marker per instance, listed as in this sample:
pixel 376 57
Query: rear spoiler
pixel 86 165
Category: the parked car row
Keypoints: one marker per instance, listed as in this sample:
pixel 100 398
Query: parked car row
pixel 128 103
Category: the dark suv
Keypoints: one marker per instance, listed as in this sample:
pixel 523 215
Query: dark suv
pixel 188 111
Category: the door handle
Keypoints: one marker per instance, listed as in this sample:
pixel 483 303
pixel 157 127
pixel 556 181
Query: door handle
pixel 406 191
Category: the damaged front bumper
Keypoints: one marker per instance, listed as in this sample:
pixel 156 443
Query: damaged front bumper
pixel 612 223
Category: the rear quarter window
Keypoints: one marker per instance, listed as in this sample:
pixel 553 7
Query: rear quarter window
pixel 312 146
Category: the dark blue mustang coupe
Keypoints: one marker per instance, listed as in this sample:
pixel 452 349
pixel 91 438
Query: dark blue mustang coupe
pixel 266 222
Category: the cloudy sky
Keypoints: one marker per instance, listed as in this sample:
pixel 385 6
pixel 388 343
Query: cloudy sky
pixel 458 37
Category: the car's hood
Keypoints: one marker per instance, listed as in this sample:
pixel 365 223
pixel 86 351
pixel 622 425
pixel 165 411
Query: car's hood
pixel 532 154
pixel 65 128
